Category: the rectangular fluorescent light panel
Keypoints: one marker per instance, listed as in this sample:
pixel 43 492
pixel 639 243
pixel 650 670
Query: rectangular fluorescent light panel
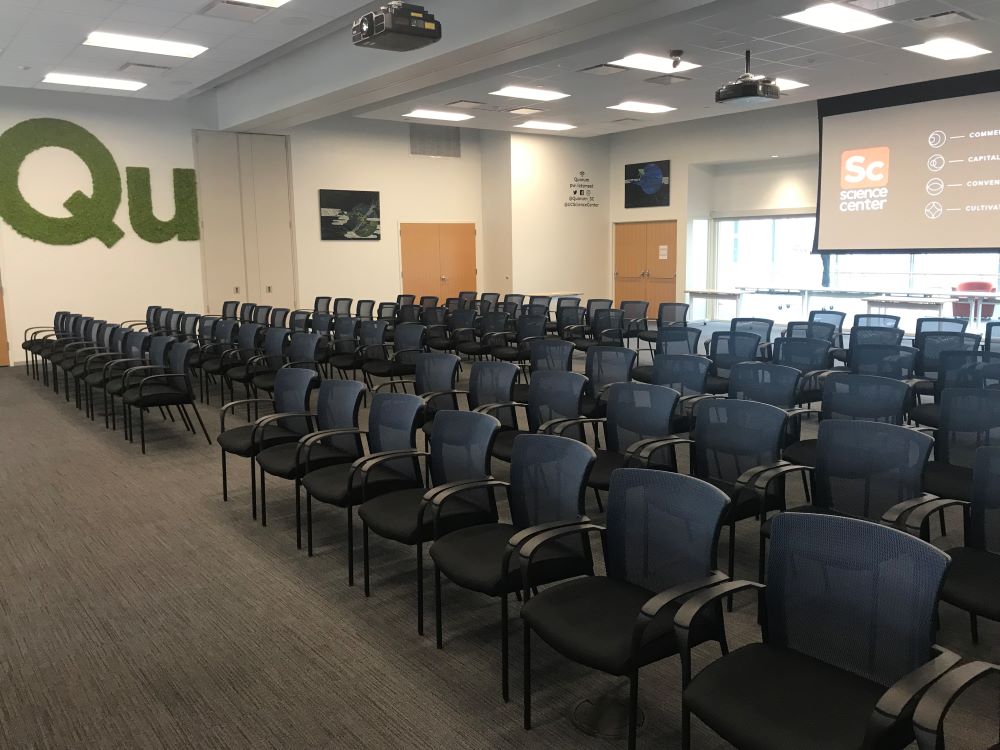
pixel 654 63
pixel 523 92
pixel 525 111
pixel 837 17
pixel 266 3
pixel 787 84
pixel 539 125
pixel 69 79
pixel 143 44
pixel 430 114
pixel 644 107
pixel 946 48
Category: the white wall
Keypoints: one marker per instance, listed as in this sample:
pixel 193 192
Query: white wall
pixel 558 248
pixel 765 186
pixel 351 154
pixel 117 283
pixel 497 272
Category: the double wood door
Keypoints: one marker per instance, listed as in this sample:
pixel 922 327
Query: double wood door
pixel 438 259
pixel 646 262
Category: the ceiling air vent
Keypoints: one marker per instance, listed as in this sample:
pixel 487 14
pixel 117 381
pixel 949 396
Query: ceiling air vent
pixel 944 18
pixel 139 68
pixel 627 119
pixel 466 104
pixel 435 140
pixel 233 10
pixel 667 79
pixel 604 70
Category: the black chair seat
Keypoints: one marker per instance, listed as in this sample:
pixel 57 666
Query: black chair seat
pixel 715 385
pixel 764 697
pixel 239 373
pixel 115 385
pixel 155 395
pixel 642 374
pixel 503 445
pixel 593 408
pixel 95 379
pixel 237 440
pixel 473 558
pixel 591 621
pixel 281 460
pixel 928 415
pixel 473 349
pixel 396 515
pixel 384 368
pixel 948 480
pixel 649 336
pixel 34 345
pixel 582 345
pixel 78 370
pixel 600 472
pixel 264 381
pixel 509 353
pixel 329 485
pixel 839 354
pixel 802 453
pixel 212 365
pixel 344 361
pixel 520 392
pixel 923 388
pixel 440 343
pixel 971 581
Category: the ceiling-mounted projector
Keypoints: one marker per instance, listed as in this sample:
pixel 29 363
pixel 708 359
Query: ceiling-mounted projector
pixel 748 89
pixel 398 26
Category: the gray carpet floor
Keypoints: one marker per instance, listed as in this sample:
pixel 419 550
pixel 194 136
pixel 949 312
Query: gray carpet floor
pixel 137 610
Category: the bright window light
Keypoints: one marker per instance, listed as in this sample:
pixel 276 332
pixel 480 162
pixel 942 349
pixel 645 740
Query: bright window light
pixel 787 84
pixel 430 114
pixel 837 17
pixel 946 48
pixel 70 79
pixel 644 107
pixel 266 3
pixel 523 92
pixel 540 125
pixel 654 63
pixel 143 44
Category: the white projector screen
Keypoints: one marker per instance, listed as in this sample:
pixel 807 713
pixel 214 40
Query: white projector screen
pixel 920 177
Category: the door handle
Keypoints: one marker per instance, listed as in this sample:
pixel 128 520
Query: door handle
pixel 444 278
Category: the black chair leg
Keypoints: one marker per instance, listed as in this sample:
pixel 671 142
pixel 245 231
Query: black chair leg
pixel 364 557
pixel 298 513
pixel 974 627
pixel 597 496
pixel 309 523
pixel 760 558
pixel 685 727
pixel 263 496
pixel 944 527
pixel 633 707
pixel 420 588
pixel 438 626
pixel 350 545
pixel 504 649
pixel 527 676
pixel 197 414
pixel 142 428
pixel 253 490
pixel 732 561
pixel 225 479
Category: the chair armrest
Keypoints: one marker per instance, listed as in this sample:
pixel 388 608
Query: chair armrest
pixel 898 512
pixel 576 327
pixel 644 449
pixel 545 428
pixel 505 336
pixel 431 395
pixel 798 412
pixel 900 699
pixel 260 424
pixel 306 442
pixel 928 718
pixel 654 606
pixel 559 426
pixel 490 408
pixel 389 383
pixel 914 382
pixel 436 497
pixel 693 607
pixel 759 478
pixel 527 550
pixel 395 355
pixel 115 363
pixel 232 405
pixel 365 464
pixel 127 375
pixel 916 521
pixel 525 535
pixel 164 376
pixel 299 363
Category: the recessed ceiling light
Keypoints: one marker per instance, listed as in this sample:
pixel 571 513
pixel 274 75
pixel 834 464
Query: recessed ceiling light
pixel 523 92
pixel 143 44
pixel 837 17
pixel 655 63
pixel 540 125
pixel 645 107
pixel 946 48
pixel 525 111
pixel 70 79
pixel 787 84
pixel 775 156
pixel 266 3
pixel 430 114
pixel 466 104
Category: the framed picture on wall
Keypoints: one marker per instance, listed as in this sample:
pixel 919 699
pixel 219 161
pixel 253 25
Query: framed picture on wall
pixel 647 184
pixel 349 215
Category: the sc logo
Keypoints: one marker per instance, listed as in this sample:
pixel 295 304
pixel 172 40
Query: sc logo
pixel 864 168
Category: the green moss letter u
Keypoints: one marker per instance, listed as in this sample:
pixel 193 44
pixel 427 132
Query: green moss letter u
pixel 184 225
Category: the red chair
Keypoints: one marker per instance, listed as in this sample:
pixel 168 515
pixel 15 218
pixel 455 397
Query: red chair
pixel 962 309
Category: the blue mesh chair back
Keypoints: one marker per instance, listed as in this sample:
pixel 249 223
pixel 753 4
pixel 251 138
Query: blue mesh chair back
pixel 515 299
pixel 804 354
pixel 437 372
pixel 189 325
pixel 535 310
pixel 529 327
pixel 568 315
pixel 468 298
pixel 118 336
pixel 337 407
pixel 511 309
pixel 226 331
pixel 970 417
pixel 985 495
pixel 550 354
pixel 834 317
pixel 433 316
pixel 410 338
pixel 292 390
pixel 274 346
pixel 637 411
pixel 765 382
pixel 593 305
pixel 540 299
pixel 864 468
pixel 991 341
pixel 884 335
pixel 854 594
pixel 875 321
pixel 246 312
pixel 761 326
pixel 864 397
pixel 303 349
pixel 451 304
pixel 162 322
pixel 158 347
pixel 635 312
pixel 562 302
pixel 405 299
pixel 493 322
pixel 953 325
pixel 677 339
pixel 428 300
pixel 548 478
pixel 298 320
pixel 606 365
pixel 967 369
pixel 345 335
pixel 387 311
pixel 365 309
pixel 684 373
pixel 727 348
pixel 325 322
pixel 931 344
pixel 463 320
pixel 483 306
pixel 554 394
pixel 229 308
pixel 174 321
pixel 672 314
pixel 151 312
pixel 883 360
pixel 662 528
pixel 207 327
pixel 492 298
pixel 371 338
pixel 410 313
pixel 179 363
pixel 322 304
pixel 804 329
pixel 732 436
pixel 262 314
pixel 279 317
pixel 460 446
pixel 70 326
pixel 342 306
pixel 607 326
pixel 248 339
pixel 392 426
pixel 493 383
pixel 137 344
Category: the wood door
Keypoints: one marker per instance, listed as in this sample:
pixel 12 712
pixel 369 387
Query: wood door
pixel 661 263
pixel 420 256
pixel 4 342
pixel 458 259
pixel 630 261
pixel 271 212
